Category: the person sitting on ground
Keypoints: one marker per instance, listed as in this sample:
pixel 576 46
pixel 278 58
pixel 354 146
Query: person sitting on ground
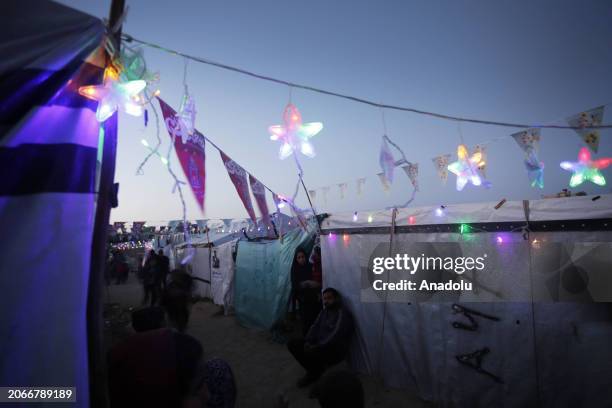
pixel 339 388
pixel 327 340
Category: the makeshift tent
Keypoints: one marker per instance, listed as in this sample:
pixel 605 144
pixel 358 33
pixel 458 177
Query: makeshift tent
pixel 49 162
pixel 263 278
pixel 539 353
pixel 220 241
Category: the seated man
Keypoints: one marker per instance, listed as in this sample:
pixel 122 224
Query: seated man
pixel 327 340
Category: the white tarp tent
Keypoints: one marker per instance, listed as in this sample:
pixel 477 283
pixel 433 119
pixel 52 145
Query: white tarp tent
pixel 540 353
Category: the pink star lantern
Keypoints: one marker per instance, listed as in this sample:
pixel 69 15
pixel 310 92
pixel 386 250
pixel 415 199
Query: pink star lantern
pixel 586 169
pixel 294 134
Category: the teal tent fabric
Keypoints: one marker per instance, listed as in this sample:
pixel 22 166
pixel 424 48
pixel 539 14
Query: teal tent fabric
pixel 263 278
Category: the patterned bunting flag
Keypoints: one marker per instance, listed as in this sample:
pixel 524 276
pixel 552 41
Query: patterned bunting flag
pixel 325 192
pixel 593 117
pixel 342 187
pixel 384 181
pixel 239 177
pixel 528 140
pixel 190 149
pixel 535 170
pixel 386 160
pixel 412 171
pixel 441 164
pixel 259 192
pixel 360 183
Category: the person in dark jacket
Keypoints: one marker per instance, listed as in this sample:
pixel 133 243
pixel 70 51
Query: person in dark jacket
pixel 304 289
pixel 151 279
pixel 327 341
pixel 164 267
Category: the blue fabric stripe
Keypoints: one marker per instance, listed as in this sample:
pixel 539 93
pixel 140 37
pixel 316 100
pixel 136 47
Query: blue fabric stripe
pixel 23 89
pixel 52 168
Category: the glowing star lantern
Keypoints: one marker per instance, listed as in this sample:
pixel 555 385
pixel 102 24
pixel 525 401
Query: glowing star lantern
pixel 466 168
pixel 586 169
pixel 294 135
pixel 187 114
pixel 114 93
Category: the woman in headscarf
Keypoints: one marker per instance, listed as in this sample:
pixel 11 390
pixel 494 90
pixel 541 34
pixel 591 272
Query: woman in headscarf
pixel 305 290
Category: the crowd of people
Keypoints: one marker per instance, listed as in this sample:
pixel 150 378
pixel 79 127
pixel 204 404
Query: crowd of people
pixel 162 365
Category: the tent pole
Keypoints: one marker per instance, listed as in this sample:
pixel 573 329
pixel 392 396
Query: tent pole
pixel 98 390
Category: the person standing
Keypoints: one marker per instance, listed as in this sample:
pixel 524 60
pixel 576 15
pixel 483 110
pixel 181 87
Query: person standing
pixel 164 267
pixel 304 289
pixel 150 279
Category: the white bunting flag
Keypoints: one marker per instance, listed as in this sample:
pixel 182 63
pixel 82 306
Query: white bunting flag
pixel 593 117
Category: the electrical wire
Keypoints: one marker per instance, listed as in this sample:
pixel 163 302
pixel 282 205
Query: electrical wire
pixel 129 38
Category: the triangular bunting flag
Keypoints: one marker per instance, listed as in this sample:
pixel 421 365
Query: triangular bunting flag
pixel 386 160
pixel 239 177
pixel 528 140
pixel 412 171
pixel 384 181
pixel 360 182
pixel 593 117
pixel 190 151
pixel 259 192
pixel 342 187
pixel 441 164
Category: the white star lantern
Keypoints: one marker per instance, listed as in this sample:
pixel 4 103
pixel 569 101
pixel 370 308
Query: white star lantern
pixel 466 167
pixel 293 134
pixel 114 93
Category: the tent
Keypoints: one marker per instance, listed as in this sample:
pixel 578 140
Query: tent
pixel 546 340
pixel 50 161
pixel 263 279
pixel 219 247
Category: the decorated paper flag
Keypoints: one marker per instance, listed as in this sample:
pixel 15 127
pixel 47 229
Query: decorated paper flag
pixel 528 140
pixel 441 164
pixel 325 192
pixel 137 226
pixel 239 177
pixel 386 160
pixel 119 226
pixel 593 117
pixel 383 181
pixel 412 171
pixel 535 170
pixel 312 194
pixel 360 182
pixel 190 151
pixel 259 192
pixel 342 187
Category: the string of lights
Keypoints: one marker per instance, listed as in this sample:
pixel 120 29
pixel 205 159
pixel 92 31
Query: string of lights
pixel 129 38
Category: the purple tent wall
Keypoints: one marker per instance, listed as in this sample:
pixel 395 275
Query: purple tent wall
pixel 48 161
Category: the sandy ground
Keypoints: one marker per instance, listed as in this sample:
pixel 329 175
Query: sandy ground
pixel 264 369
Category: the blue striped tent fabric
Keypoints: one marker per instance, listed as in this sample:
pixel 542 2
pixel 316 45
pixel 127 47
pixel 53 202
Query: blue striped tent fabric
pixel 49 140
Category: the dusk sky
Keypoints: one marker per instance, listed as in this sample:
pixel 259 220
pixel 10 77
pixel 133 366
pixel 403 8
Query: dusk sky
pixel 534 62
